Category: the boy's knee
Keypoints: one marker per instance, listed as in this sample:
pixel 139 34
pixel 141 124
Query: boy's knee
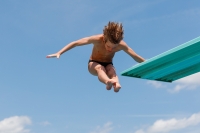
pixel 111 72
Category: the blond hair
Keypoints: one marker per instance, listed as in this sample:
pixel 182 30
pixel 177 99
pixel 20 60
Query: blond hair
pixel 113 32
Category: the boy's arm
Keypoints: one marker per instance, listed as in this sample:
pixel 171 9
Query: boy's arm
pixel 129 51
pixel 80 42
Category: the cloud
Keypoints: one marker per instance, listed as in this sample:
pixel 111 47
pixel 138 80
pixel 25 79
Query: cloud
pixel 107 128
pixel 156 84
pixel 153 115
pixel 187 83
pixel 165 126
pixel 45 123
pixel 15 124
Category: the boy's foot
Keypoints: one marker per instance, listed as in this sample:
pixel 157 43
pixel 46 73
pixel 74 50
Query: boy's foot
pixel 116 87
pixel 109 84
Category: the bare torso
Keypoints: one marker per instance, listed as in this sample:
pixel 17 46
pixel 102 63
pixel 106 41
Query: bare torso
pixel 99 52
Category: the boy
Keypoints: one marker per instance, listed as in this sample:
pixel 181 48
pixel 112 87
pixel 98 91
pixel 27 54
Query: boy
pixel 104 48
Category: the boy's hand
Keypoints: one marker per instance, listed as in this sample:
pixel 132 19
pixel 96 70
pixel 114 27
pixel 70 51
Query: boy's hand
pixel 53 55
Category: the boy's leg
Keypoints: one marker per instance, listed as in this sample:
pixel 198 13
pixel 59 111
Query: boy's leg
pixel 110 71
pixel 98 70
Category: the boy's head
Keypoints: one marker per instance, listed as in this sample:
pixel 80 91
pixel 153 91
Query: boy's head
pixel 113 32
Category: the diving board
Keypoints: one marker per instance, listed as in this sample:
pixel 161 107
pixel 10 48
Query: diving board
pixel 171 65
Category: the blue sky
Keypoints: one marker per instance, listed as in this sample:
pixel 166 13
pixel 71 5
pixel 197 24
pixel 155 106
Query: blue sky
pixel 39 95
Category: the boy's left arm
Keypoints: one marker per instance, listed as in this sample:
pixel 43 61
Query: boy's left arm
pixel 129 51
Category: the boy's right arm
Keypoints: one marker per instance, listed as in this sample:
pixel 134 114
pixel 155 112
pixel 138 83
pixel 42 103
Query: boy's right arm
pixel 80 42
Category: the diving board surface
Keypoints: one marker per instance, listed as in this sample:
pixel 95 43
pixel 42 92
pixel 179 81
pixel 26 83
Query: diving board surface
pixel 171 65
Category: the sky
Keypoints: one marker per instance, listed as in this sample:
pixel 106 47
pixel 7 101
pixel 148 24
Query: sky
pixel 40 95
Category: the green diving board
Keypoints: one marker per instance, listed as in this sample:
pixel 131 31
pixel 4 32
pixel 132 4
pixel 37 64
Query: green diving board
pixel 171 65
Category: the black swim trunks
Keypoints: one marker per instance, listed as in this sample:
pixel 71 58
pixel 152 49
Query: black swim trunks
pixel 101 63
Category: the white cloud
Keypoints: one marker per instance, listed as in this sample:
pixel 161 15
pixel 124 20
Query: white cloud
pixel 107 128
pixel 156 84
pixel 156 115
pixel 45 123
pixel 187 83
pixel 15 124
pixel 165 126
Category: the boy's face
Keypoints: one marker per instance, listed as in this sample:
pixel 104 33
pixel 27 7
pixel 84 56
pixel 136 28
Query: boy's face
pixel 110 46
